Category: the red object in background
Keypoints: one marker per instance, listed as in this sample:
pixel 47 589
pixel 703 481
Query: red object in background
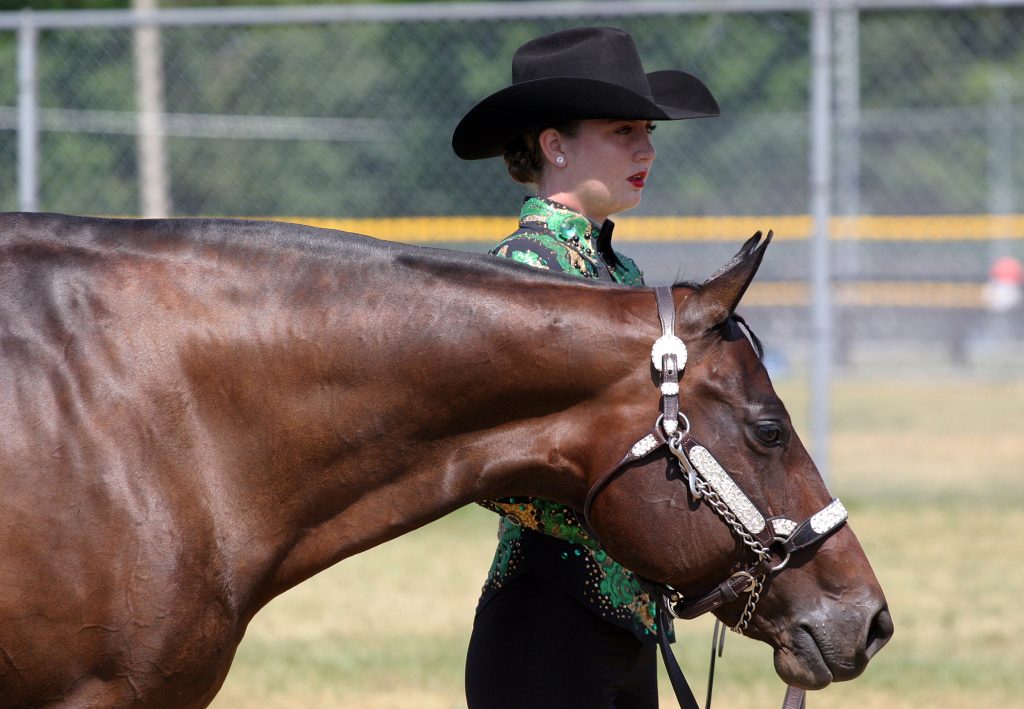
pixel 1007 270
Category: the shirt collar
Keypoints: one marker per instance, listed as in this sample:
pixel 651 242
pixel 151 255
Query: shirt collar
pixel 567 224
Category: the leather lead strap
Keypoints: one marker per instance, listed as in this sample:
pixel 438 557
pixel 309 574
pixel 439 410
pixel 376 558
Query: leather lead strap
pixel 684 695
pixel 717 646
pixel 795 698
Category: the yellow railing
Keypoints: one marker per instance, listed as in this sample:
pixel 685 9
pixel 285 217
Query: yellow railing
pixel 787 227
pixel 900 294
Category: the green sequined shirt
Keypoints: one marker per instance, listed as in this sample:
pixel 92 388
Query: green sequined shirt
pixel 542 536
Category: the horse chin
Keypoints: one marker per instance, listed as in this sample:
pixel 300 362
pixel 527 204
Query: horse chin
pixel 800 662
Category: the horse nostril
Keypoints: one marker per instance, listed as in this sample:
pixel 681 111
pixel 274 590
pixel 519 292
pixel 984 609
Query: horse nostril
pixel 879 632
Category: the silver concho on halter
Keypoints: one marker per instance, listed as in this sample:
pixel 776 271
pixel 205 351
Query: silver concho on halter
pixel 666 345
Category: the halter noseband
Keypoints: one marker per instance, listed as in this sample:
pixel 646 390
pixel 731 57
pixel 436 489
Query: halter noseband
pixel 709 482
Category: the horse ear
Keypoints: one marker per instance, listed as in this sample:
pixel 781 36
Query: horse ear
pixel 721 293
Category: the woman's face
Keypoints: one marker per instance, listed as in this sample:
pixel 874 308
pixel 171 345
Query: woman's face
pixel 607 163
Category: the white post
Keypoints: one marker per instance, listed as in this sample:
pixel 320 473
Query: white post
pixel 154 187
pixel 821 189
pixel 28 114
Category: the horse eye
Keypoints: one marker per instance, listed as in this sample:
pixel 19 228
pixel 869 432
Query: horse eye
pixel 768 433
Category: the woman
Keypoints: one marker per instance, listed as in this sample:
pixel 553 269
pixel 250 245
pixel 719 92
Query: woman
pixel 559 623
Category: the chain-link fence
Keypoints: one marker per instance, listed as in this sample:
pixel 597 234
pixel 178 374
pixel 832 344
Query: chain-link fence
pixel 346 112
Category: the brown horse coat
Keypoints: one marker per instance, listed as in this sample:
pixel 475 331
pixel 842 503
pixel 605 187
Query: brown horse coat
pixel 197 415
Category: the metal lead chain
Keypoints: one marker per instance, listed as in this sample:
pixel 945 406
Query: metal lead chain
pixel 748 610
pixel 722 510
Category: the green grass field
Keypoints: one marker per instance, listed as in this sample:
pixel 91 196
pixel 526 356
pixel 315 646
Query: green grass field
pixel 933 476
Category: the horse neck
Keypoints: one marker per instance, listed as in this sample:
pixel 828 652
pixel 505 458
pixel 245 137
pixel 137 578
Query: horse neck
pixel 382 394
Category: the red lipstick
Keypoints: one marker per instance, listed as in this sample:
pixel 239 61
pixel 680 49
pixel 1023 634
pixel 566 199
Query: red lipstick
pixel 638 180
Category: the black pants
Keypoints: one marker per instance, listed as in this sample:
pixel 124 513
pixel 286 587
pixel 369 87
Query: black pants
pixel 535 647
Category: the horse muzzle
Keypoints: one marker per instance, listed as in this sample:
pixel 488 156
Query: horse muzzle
pixel 832 643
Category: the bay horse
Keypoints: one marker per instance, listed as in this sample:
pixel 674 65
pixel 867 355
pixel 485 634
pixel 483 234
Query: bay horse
pixel 198 414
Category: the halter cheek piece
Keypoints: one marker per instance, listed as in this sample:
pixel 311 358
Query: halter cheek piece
pixel 767 536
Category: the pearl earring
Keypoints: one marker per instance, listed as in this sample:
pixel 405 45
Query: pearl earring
pixel 560 160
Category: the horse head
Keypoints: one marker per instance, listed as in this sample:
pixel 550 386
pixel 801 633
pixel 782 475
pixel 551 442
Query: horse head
pixel 815 599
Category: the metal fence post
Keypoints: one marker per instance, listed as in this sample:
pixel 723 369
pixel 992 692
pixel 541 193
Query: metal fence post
pixel 999 135
pixel 154 178
pixel 847 134
pixel 28 114
pixel 847 81
pixel 820 191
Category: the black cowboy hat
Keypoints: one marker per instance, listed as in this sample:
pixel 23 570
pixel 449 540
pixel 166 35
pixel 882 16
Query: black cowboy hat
pixel 587 72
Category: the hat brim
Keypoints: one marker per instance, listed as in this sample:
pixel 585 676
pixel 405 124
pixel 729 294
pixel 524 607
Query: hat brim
pixel 490 125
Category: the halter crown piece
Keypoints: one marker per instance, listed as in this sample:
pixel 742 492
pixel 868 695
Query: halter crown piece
pixel 766 536
pixel 668 355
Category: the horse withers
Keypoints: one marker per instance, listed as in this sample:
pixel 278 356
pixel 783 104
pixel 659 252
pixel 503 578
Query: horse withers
pixel 199 414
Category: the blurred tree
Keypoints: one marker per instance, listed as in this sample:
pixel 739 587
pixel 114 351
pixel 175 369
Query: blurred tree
pixel 389 95
pixel 63 4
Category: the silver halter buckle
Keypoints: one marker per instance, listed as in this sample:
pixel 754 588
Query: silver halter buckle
pixel 668 345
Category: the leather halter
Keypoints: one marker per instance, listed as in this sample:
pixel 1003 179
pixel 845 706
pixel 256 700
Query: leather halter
pixel 709 482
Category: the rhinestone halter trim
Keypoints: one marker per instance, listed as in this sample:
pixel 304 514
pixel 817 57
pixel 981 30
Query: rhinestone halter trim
pixel 829 518
pixel 644 446
pixel 720 481
pixel 783 527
